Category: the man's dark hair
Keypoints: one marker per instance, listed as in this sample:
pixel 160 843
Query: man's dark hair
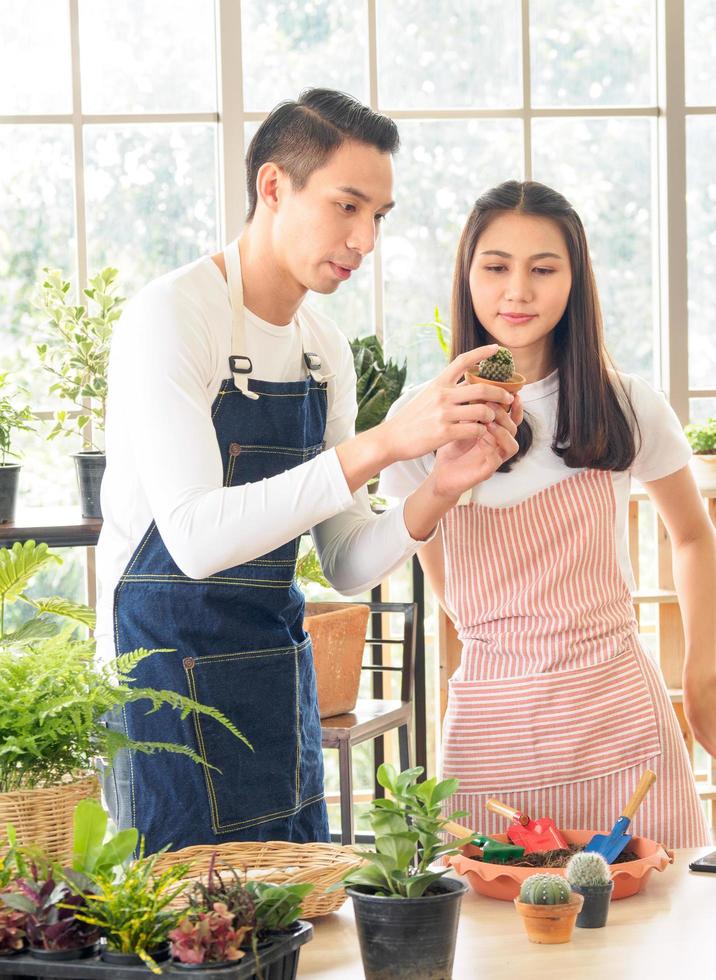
pixel 300 136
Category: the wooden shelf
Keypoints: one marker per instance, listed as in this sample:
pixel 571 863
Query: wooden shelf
pixel 58 527
pixel 654 596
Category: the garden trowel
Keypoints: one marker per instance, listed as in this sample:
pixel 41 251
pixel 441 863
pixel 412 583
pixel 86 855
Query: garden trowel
pixel 493 851
pixel 533 835
pixel 611 845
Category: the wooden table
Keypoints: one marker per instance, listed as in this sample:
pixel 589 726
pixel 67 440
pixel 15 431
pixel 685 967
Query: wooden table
pixel 663 933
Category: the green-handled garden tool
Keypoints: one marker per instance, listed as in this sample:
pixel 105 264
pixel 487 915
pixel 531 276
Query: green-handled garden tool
pixel 494 851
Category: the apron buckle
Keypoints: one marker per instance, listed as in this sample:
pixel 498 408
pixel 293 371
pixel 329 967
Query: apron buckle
pixel 313 361
pixel 246 368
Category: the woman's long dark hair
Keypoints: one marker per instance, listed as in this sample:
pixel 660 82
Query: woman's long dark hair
pixel 595 422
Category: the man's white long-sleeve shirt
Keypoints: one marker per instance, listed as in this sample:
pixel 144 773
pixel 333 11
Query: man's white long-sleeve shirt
pixel 170 353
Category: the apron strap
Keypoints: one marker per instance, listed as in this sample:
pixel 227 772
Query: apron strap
pixel 239 363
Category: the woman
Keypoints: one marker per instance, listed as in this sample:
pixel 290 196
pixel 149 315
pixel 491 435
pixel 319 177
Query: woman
pixel 556 708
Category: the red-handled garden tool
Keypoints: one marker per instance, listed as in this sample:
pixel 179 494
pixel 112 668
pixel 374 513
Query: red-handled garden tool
pixel 494 851
pixel 533 835
pixel 611 845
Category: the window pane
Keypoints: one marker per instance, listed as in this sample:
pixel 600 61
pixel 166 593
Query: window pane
pixel 47 478
pixel 148 57
pixel 700 29
pixel 289 46
pixel 701 217
pixel 151 198
pixel 35 75
pixel 441 169
pixel 603 167
pixel 351 306
pixel 449 53
pixel 37 222
pixel 592 52
pixel 701 409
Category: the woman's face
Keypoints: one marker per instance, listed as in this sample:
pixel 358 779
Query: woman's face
pixel 520 279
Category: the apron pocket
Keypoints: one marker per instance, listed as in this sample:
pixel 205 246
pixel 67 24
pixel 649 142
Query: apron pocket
pixel 259 692
pixel 539 730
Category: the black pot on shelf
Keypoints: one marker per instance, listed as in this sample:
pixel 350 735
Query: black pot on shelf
pixel 58 955
pixel 408 938
pixel 596 905
pixel 160 954
pixel 90 467
pixel 9 480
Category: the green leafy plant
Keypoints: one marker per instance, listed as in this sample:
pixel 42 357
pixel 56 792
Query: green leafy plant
pixel 544 889
pixel 276 907
pixel 308 568
pixel 702 436
pixel 134 913
pixel 407 835
pixel 93 852
pixel 12 418
pixel 18 567
pixel 76 354
pixel 379 382
pixel 588 869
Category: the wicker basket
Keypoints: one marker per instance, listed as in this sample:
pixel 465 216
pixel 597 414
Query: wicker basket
pixel 44 816
pixel 282 863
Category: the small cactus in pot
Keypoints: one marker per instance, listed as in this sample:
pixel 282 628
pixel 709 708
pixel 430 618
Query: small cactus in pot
pixel 590 875
pixel 497 369
pixel 548 908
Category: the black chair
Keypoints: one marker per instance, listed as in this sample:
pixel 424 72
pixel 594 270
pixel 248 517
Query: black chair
pixel 372 717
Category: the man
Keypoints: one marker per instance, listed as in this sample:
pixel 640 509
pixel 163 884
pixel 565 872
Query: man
pixel 230 432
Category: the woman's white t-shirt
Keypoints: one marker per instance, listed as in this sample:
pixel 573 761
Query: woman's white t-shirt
pixel 662 449
pixel 169 356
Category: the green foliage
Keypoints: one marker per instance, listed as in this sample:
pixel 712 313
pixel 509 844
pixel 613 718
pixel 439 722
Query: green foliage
pixel 407 835
pixel 18 566
pixel 277 907
pixel 91 853
pixel 379 382
pixel 133 913
pixel 12 417
pixel 76 353
pixel 308 569
pixel 702 435
pixel 588 869
pixel 544 889
pixel 442 332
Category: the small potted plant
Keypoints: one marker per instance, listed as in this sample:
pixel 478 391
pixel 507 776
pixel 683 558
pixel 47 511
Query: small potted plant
pixel 406 911
pixel 589 875
pixel 13 418
pixel 379 382
pixel 76 355
pixel 702 439
pixel 497 369
pixel 548 908
pixel 12 930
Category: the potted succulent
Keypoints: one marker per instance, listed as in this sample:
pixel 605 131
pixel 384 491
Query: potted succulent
pixel 702 439
pixel 497 369
pixel 589 875
pixel 548 908
pixel 378 382
pixel 54 697
pixel 76 355
pixel 406 911
pixel 227 915
pixel 12 419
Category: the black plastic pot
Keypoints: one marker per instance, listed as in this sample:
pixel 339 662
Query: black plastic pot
pixel 408 938
pixel 90 467
pixel 9 480
pixel 160 954
pixel 58 955
pixel 596 905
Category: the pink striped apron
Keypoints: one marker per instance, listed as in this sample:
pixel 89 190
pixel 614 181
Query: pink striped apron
pixel 555 708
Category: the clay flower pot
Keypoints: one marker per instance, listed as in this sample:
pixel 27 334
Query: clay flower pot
pixel 513 385
pixel 550 923
pixel 337 631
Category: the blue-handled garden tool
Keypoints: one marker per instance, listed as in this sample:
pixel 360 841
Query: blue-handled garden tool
pixel 611 845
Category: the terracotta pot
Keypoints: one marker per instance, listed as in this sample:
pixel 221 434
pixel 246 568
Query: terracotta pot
pixel 337 632
pixel 513 385
pixel 503 881
pixel 550 923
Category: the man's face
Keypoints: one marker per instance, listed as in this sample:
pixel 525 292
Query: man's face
pixel 322 232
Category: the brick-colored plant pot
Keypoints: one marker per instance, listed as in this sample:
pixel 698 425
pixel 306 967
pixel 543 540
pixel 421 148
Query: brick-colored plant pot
pixel 337 632
pixel 550 923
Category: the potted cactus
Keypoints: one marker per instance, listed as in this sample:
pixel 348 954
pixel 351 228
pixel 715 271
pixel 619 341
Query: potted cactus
pixel 702 439
pixel 589 875
pixel 499 370
pixel 548 908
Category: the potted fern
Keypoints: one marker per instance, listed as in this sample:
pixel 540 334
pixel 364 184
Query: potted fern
pixel 13 418
pixel 76 356
pixel 54 697
pixel 406 910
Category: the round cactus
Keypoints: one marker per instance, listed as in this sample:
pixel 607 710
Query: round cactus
pixel 499 367
pixel 544 890
pixel 588 870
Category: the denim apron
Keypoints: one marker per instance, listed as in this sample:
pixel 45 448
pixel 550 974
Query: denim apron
pixel 234 640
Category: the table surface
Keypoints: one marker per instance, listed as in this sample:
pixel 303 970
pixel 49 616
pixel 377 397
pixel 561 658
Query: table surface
pixel 663 932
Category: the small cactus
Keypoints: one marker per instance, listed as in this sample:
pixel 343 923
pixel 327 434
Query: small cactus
pixel 545 890
pixel 588 870
pixel 499 367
